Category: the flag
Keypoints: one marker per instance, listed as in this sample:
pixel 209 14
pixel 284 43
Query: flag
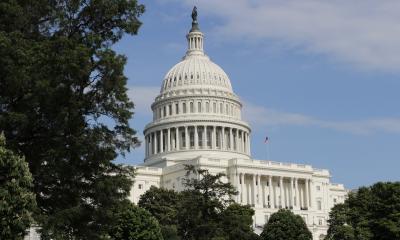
pixel 266 139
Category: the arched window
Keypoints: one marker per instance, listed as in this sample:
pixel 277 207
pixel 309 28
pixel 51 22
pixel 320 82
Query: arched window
pixel 177 108
pixel 199 107
pixel 184 107
pixel 207 107
pixel 191 107
pixel 221 108
pixel 214 107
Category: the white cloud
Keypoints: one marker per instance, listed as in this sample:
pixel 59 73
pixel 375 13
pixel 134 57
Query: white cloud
pixel 365 33
pixel 260 116
pixel 143 97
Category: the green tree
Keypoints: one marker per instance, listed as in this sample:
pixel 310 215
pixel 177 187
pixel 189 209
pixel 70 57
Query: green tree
pixel 205 198
pixel 64 106
pixel 163 205
pixel 134 223
pixel 368 213
pixel 17 201
pixel 236 222
pixel 285 225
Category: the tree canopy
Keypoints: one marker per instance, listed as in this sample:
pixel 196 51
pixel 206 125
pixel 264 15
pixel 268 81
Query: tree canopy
pixel 134 223
pixel 285 225
pixel 368 213
pixel 64 106
pixel 17 201
pixel 204 210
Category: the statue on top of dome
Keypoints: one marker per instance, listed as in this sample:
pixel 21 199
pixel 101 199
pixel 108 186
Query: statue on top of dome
pixel 194 14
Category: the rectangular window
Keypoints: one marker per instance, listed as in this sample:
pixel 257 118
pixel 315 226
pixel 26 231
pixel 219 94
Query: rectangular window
pixel 191 107
pixel 165 111
pixel 140 186
pixel 207 107
pixel 177 108
pixel 191 135
pixel 199 107
pixel 184 107
pixel 318 188
pixel 214 107
pixel 319 204
pixel 170 110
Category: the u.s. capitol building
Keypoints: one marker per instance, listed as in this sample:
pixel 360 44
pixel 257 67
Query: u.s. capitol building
pixel 197 120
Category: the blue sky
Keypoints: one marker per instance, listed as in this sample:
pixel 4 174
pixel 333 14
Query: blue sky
pixel 319 78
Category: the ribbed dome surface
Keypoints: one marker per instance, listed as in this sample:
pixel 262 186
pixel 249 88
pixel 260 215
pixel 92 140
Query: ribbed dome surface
pixel 196 71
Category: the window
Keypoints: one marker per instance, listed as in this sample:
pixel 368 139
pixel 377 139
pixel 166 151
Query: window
pixel 318 188
pixel 184 107
pixel 165 111
pixel 319 205
pixel 207 107
pixel 208 138
pixel 214 107
pixel 199 107
pixel 227 109
pixel 183 138
pixel 266 217
pixel 191 135
pixel 334 200
pixel 176 108
pixel 220 108
pixel 159 113
pixel 140 186
pixel 170 109
pixel 191 107
pixel 200 137
pixel 320 221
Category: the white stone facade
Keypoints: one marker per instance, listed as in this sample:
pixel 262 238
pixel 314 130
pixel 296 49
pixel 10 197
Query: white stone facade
pixel 197 120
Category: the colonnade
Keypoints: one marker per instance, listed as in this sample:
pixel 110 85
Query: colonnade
pixel 196 137
pixel 275 191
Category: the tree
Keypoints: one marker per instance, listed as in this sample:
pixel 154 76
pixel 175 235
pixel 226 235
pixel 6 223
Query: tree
pixel 163 205
pixel 236 222
pixel 368 213
pixel 134 223
pixel 64 106
pixel 17 201
pixel 285 225
pixel 205 198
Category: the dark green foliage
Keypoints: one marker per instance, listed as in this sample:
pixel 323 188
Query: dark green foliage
pixel 202 203
pixel 203 211
pixel 134 223
pixel 236 221
pixel 17 201
pixel 162 204
pixel 369 213
pixel 64 106
pixel 285 225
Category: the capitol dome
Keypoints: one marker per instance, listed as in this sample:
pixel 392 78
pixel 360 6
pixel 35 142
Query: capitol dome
pixel 196 71
pixel 196 113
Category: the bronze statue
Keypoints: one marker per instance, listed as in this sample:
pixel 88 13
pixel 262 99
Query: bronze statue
pixel 194 14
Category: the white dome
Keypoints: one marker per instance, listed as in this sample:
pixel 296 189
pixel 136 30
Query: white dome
pixel 196 71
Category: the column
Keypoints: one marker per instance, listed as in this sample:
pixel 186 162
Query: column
pixel 312 203
pixel 254 190
pixel 169 140
pixel 238 187
pixel 230 139
pixel 235 136
pixel 307 200
pixel 291 202
pixel 222 138
pixel 214 138
pixel 270 191
pixel 249 148
pixel 155 142
pixel 204 137
pixel 177 147
pixel 296 190
pixel 186 138
pixel 196 138
pixel 243 197
pixel 161 141
pixel 281 192
pixel 259 190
